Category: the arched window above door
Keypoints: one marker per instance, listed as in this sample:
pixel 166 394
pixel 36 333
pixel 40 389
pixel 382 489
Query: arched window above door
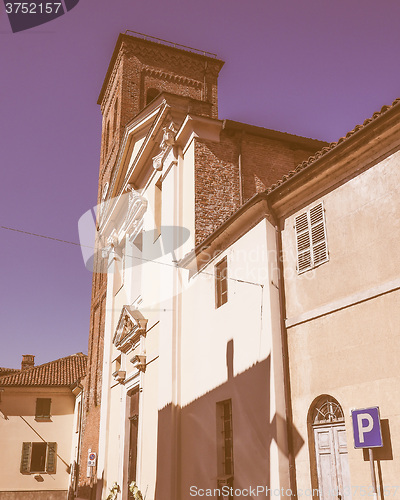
pixel 326 410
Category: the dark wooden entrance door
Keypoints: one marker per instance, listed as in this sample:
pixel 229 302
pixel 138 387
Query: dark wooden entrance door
pixel 133 415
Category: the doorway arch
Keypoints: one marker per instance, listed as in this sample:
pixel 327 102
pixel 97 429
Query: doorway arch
pixel 330 473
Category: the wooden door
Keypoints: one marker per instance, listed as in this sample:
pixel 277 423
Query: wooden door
pixel 332 462
pixel 133 416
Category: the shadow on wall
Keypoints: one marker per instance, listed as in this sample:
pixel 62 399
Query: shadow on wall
pixel 382 454
pixel 195 448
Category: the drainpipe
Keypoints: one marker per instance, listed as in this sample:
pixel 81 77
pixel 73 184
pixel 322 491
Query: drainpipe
pixel 204 82
pixel 240 169
pixel 285 352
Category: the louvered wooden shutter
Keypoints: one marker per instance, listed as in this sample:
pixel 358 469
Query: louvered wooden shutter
pixel 51 458
pixel 43 407
pixel 26 458
pixel 318 235
pixel 311 243
pixel 304 261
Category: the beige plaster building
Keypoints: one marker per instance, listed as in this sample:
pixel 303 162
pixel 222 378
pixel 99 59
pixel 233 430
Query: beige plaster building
pixel 40 428
pixel 338 217
pixel 243 297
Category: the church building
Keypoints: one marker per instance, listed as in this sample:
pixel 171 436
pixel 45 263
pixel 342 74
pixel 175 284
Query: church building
pixel 243 295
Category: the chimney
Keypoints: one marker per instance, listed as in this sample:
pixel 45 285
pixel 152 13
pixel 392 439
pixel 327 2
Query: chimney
pixel 28 361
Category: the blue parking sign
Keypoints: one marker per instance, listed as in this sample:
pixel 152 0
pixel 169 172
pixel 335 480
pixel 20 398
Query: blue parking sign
pixel 367 428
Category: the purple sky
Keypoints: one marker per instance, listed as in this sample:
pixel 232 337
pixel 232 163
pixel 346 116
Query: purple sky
pixel 309 67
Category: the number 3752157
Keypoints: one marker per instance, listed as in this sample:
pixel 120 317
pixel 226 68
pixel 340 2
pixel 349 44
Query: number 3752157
pixel 33 8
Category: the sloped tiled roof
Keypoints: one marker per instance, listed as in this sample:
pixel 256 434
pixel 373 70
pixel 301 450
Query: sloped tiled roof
pixel 7 371
pixel 62 372
pixel 332 145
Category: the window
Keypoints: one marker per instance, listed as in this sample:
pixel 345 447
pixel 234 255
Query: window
pixel 133 416
pixel 78 417
pixel 221 283
pixel 157 208
pixel 115 114
pixel 38 457
pixel 225 445
pixel 43 409
pixel 107 137
pixel 312 249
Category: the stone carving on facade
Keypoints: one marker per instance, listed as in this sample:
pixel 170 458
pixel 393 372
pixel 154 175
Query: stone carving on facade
pixel 137 206
pixel 168 141
pixel 112 242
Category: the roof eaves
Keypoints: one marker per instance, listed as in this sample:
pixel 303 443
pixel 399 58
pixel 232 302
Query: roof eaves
pixel 332 146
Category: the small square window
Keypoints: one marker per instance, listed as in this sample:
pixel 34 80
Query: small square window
pixel 221 283
pixel 43 408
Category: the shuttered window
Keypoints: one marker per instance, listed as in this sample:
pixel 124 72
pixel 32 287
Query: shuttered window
pixel 43 408
pixel 38 458
pixel 312 249
pixel 224 438
pixel 51 458
pixel 221 283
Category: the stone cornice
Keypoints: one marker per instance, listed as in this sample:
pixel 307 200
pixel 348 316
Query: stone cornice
pixel 171 77
pixel 144 48
pixel 349 158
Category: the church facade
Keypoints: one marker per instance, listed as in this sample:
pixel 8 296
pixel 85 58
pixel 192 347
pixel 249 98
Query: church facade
pixel 233 323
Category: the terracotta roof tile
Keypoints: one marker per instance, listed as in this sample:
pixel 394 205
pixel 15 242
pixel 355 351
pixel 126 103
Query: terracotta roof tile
pixel 7 371
pixel 332 146
pixel 61 372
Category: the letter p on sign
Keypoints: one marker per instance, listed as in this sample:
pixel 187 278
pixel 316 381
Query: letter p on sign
pixel 364 417
pixel 367 428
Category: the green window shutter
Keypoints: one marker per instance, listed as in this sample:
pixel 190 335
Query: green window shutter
pixel 26 458
pixel 51 458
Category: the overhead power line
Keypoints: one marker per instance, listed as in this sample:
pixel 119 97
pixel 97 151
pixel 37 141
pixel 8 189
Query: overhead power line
pixel 37 235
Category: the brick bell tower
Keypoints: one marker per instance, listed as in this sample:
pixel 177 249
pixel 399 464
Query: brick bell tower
pixel 140 68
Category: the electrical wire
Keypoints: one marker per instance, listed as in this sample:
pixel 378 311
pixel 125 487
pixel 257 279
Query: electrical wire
pixel 142 259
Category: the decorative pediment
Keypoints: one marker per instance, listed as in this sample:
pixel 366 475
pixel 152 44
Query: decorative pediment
pixel 130 327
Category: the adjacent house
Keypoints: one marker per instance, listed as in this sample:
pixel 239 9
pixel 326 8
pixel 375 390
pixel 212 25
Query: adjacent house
pixel 40 428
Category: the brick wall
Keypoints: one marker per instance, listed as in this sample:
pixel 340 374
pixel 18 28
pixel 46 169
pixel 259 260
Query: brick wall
pixel 265 161
pixel 216 184
pixel 151 65
pixel 230 172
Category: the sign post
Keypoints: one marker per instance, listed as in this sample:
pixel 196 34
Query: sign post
pixel 91 464
pixel 368 434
